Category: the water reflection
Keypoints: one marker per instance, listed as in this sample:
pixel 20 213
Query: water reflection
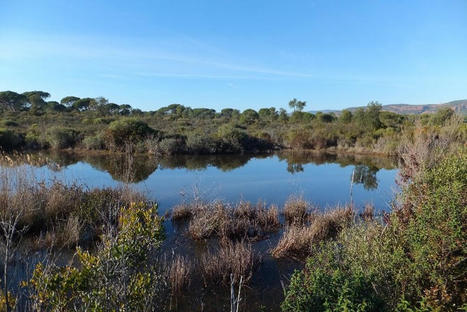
pixel 322 179
pixel 366 175
pixel 137 168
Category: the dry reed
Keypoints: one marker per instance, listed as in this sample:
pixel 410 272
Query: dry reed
pixel 236 258
pixel 244 221
pixel 296 210
pixel 180 273
pixel 299 239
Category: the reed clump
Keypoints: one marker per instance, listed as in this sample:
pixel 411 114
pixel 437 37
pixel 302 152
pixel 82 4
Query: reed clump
pixel 58 214
pixel 243 221
pixel 180 272
pixel 296 211
pixel 368 213
pixel 236 258
pixel 298 240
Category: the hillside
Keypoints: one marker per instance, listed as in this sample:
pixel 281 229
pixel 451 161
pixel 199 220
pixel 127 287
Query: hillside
pixel 460 106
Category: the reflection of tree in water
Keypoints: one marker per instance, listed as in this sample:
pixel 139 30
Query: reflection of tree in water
pixel 297 159
pixel 201 162
pixel 366 175
pixel 124 168
pixel 294 168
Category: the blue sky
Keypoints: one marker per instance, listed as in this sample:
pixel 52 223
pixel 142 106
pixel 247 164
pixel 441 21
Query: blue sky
pixel 241 54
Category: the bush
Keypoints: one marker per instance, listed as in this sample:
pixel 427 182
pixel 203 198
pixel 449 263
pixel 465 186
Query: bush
pixel 198 143
pixel 116 277
pixel 10 140
pixel 172 145
pixel 96 142
pixel 324 286
pixel 10 123
pixel 59 137
pixel 123 131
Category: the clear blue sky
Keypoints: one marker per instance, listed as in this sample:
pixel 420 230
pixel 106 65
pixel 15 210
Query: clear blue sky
pixel 239 53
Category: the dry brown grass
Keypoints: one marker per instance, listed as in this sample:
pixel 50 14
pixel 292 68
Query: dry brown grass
pixel 182 212
pixel 180 271
pixel 58 214
pixel 296 211
pixel 244 221
pixel 210 220
pixel 368 213
pixel 299 239
pixel 236 258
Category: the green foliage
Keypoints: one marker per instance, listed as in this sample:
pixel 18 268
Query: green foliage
pixel 180 129
pixel 10 140
pixel 122 131
pixel 441 116
pixel 96 142
pixel 324 286
pixel 59 137
pixel 249 116
pixel 12 101
pixel 116 277
pixel 297 105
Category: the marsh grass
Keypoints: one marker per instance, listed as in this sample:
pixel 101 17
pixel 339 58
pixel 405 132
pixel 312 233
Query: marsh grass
pixel 298 240
pixel 217 219
pixel 236 258
pixel 296 210
pixel 180 273
pixel 368 213
pixel 58 214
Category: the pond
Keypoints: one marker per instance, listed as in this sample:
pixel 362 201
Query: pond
pixel 322 179
pixel 325 180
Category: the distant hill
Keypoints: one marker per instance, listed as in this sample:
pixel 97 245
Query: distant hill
pixel 460 106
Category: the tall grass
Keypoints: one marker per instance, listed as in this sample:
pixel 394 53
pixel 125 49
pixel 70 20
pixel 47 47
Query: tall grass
pixel 221 220
pixel 299 239
pixel 232 258
pixel 59 214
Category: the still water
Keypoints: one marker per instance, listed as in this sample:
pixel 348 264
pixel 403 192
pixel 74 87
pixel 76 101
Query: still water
pixel 322 179
pixel 325 180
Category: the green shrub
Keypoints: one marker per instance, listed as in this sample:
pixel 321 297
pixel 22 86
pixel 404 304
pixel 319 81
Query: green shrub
pixel 123 131
pixel 59 137
pixel 172 145
pixel 10 140
pixel 118 276
pixel 198 143
pixel 95 142
pixel 324 286
pixel 10 123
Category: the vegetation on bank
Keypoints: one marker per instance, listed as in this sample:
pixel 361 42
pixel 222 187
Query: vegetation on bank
pixel 29 121
pixel 416 259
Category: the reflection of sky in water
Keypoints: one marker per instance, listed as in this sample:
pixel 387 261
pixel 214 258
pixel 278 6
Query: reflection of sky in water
pixel 265 179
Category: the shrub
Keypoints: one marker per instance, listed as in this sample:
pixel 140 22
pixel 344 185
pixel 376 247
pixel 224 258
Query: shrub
pixel 115 277
pixel 324 286
pixel 172 146
pixel 59 137
pixel 200 143
pixel 10 123
pixel 10 140
pixel 123 131
pixel 96 142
